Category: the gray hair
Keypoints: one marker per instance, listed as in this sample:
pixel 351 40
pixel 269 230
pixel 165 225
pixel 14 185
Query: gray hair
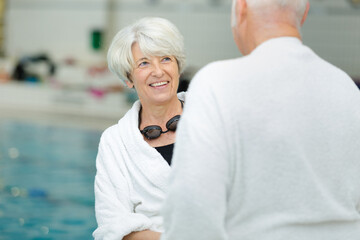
pixel 155 36
pixel 298 6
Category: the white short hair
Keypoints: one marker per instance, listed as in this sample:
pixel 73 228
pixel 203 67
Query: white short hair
pixel 155 36
pixel 298 7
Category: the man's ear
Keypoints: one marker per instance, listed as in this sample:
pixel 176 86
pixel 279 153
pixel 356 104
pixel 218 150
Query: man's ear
pixel 241 10
pixel 306 13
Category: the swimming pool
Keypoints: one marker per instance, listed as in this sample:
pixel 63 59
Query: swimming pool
pixel 46 181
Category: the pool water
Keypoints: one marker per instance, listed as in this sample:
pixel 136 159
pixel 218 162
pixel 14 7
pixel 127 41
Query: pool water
pixel 46 182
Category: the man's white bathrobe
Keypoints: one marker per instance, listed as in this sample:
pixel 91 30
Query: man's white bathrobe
pixel 268 148
pixel 130 182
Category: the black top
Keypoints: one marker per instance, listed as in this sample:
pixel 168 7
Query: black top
pixel 166 152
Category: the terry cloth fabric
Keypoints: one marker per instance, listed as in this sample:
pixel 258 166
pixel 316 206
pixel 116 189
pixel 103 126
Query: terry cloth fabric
pixel 130 182
pixel 268 148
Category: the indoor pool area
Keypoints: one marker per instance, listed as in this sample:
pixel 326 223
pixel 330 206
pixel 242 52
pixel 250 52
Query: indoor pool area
pixel 267 91
pixel 46 181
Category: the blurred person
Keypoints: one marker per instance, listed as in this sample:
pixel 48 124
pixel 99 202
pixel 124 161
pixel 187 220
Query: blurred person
pixel 134 156
pixel 268 147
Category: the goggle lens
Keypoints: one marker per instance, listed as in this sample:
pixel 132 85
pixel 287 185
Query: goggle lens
pixel 152 132
pixel 172 123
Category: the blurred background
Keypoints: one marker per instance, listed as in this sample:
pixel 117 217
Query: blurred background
pixel 57 96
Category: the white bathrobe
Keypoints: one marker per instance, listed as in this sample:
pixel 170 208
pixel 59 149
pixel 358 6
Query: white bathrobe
pixel 130 182
pixel 268 148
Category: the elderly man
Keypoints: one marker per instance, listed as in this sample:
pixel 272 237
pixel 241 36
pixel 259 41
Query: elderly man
pixel 268 146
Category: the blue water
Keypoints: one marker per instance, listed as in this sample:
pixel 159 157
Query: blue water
pixel 46 182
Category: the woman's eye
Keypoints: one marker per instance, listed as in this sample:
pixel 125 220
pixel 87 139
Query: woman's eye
pixel 143 64
pixel 166 59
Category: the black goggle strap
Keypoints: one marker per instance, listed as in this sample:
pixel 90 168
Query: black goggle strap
pixel 182 106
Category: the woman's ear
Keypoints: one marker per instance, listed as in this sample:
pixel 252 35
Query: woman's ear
pixel 130 84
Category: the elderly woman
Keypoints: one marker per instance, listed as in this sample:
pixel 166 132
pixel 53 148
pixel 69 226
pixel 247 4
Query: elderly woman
pixel 134 155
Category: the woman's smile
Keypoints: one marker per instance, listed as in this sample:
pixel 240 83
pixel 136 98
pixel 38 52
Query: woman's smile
pixel 159 84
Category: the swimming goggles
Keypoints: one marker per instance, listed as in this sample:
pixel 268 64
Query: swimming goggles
pixel 154 131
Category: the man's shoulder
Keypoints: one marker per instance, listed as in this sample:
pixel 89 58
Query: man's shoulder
pixel 222 71
pixel 222 65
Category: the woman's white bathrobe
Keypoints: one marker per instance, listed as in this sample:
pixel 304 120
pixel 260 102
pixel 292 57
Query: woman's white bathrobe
pixel 130 182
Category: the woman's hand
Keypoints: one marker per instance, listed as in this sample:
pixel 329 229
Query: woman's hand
pixel 143 235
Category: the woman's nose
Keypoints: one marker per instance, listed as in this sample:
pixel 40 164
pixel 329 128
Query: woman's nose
pixel 157 70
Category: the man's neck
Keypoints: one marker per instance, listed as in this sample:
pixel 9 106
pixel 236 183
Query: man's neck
pixel 261 28
pixel 267 32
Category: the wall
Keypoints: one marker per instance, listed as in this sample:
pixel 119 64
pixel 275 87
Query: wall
pixel 332 30
pixel 206 29
pixel 62 27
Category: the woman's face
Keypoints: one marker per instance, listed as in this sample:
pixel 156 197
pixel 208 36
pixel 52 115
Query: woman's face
pixel 156 79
